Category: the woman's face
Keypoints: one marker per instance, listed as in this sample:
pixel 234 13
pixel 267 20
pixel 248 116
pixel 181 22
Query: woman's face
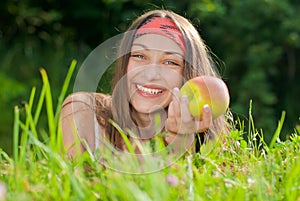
pixel 154 70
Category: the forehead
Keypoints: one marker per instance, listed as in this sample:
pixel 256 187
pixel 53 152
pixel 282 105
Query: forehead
pixel 156 42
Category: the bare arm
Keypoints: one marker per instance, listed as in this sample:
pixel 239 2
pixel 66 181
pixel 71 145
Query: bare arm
pixel 77 120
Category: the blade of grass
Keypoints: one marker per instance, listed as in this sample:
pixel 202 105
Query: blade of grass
pixel 251 132
pixel 64 89
pixel 191 194
pixel 39 105
pixel 139 145
pixel 59 104
pixel 124 136
pixel 33 129
pixel 59 140
pixel 13 163
pixel 32 125
pixel 126 140
pixel 16 134
pixel 49 108
pixel 278 130
pixel 31 99
pixel 24 135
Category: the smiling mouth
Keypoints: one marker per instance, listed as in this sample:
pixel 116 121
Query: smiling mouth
pixel 148 90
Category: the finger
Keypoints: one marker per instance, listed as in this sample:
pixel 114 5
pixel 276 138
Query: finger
pixel 171 113
pixel 170 137
pixel 186 116
pixel 206 121
pixel 170 123
pixel 176 102
pixel 206 116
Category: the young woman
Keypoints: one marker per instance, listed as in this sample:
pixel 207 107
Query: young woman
pixel 159 52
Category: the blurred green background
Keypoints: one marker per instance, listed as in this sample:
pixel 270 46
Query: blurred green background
pixel 255 42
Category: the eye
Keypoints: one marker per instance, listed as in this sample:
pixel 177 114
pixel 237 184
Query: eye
pixel 137 55
pixel 172 63
pixel 172 60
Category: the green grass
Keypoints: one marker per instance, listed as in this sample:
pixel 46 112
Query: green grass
pixel 246 168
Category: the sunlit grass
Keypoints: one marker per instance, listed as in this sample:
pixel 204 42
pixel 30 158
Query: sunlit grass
pixel 245 168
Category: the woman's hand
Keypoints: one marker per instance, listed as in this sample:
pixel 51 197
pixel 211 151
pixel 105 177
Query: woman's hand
pixel 181 125
pixel 180 120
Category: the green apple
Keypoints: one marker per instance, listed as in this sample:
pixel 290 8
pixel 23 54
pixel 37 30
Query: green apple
pixel 206 90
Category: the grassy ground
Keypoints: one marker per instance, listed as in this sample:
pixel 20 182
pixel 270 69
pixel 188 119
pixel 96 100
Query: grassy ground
pixel 244 169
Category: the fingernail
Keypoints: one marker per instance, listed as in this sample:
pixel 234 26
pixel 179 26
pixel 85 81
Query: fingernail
pixel 184 98
pixel 206 108
pixel 176 89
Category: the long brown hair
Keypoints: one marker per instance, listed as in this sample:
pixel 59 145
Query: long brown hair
pixel 197 62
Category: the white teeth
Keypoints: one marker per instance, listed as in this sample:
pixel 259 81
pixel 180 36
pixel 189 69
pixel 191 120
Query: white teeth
pixel 147 90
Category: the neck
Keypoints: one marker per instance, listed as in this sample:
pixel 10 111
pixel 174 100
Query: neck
pixel 149 124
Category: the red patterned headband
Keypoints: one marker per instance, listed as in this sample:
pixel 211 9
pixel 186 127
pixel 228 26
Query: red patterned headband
pixel 162 26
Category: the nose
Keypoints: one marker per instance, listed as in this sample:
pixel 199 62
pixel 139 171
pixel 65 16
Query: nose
pixel 152 72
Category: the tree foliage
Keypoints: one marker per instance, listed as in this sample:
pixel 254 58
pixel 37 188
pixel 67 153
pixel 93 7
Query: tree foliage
pixel 258 42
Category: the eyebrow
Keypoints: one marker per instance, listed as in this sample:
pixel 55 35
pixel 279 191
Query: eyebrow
pixel 165 52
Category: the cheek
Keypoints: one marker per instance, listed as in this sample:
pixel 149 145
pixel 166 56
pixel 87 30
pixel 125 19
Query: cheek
pixel 129 67
pixel 174 79
pixel 132 69
pixel 132 73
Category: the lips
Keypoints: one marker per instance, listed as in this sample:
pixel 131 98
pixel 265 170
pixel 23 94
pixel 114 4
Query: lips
pixel 149 90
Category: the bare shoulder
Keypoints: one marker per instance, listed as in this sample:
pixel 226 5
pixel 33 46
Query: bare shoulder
pixel 78 119
pixel 99 103
pixel 83 97
pixel 88 98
